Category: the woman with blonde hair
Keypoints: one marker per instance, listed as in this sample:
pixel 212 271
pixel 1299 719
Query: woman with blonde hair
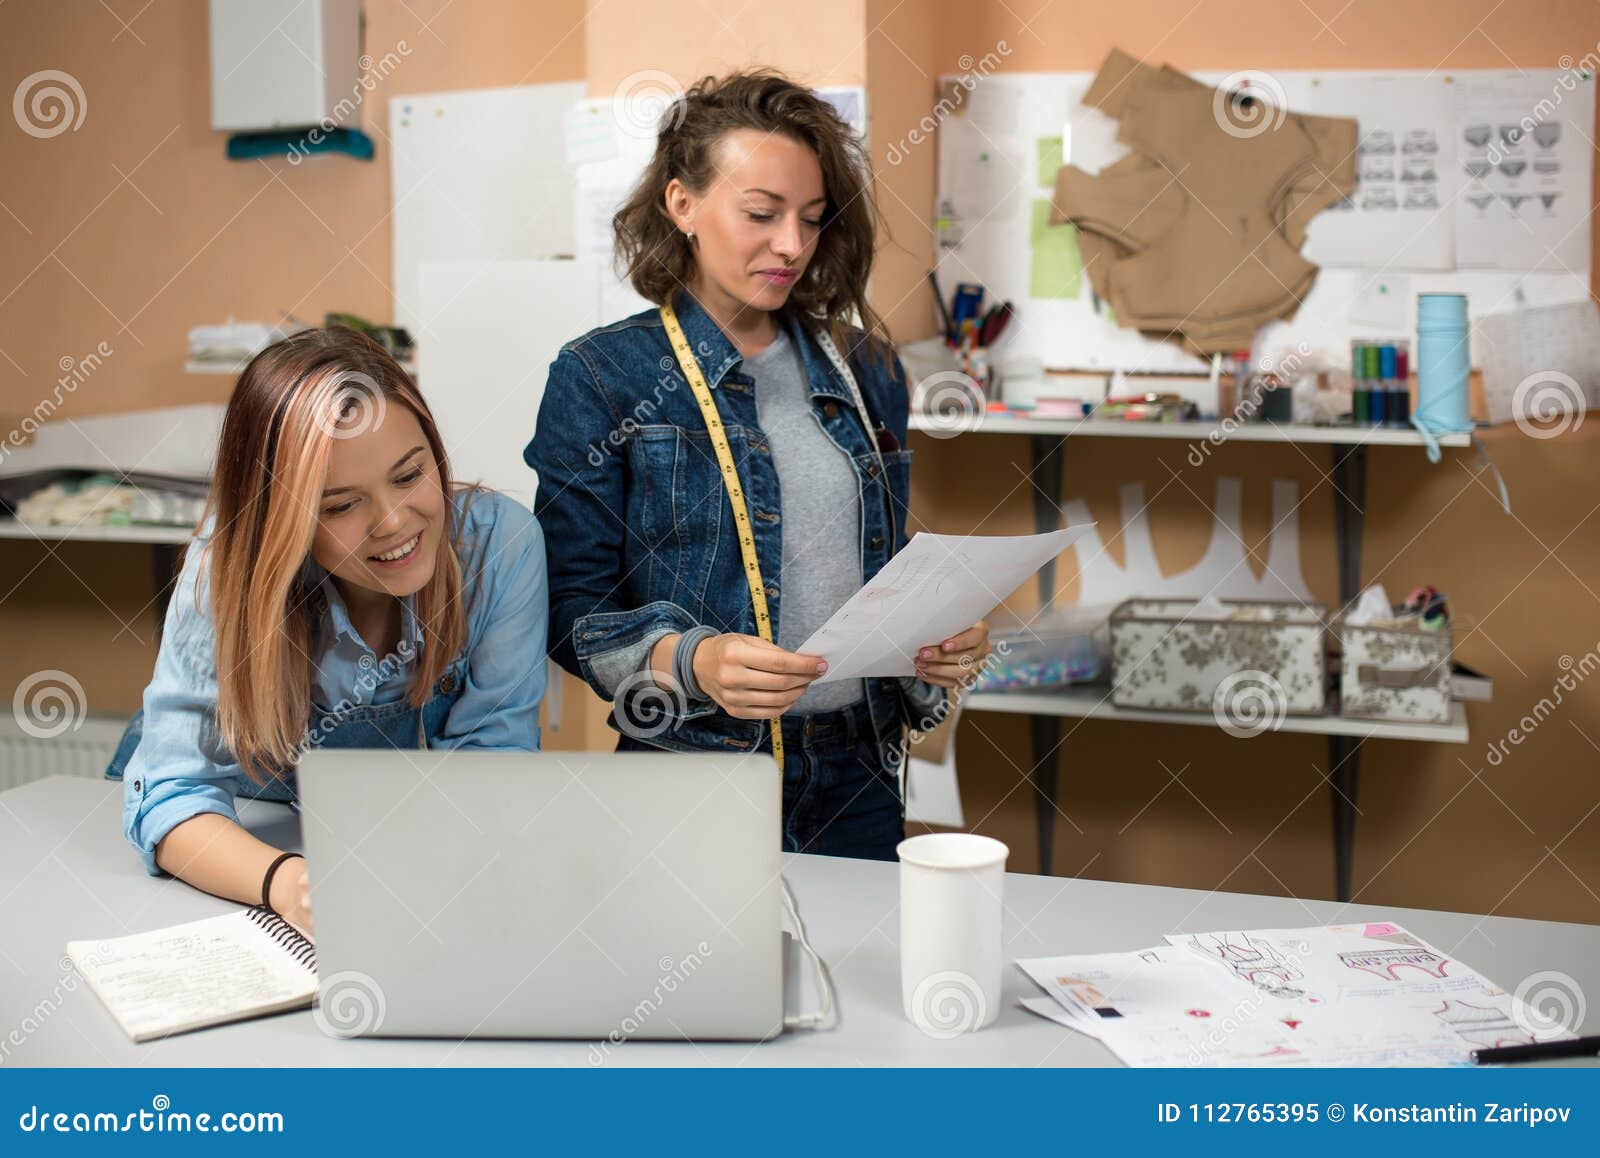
pixel 725 470
pixel 342 592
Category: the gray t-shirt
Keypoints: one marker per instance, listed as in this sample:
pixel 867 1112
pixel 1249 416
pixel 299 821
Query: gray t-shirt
pixel 821 513
pixel 821 510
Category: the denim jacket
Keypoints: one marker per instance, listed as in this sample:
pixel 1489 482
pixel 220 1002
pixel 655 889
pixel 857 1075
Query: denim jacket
pixel 641 531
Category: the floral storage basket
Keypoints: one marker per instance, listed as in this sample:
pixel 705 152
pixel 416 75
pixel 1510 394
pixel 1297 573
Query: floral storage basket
pixel 1394 670
pixel 1182 655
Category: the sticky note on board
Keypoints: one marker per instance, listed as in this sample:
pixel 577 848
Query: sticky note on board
pixel 1055 265
pixel 1050 153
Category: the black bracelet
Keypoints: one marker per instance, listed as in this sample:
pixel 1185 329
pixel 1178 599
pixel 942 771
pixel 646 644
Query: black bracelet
pixel 266 881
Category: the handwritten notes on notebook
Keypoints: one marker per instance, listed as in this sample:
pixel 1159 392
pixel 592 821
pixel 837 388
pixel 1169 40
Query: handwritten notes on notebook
pixel 245 964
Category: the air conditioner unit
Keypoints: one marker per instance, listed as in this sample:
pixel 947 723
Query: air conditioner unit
pixel 284 64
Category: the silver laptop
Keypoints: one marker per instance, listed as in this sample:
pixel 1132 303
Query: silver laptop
pixel 570 895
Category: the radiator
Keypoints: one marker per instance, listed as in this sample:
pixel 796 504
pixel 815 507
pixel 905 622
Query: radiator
pixel 83 751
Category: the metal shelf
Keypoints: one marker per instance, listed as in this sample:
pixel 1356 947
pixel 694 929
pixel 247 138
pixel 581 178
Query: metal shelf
pixel 11 529
pixel 1191 431
pixel 1093 702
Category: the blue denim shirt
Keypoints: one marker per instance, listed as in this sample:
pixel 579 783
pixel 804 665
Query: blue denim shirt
pixel 180 768
pixel 630 491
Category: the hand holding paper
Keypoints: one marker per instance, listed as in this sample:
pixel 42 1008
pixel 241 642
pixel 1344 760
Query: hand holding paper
pixel 937 586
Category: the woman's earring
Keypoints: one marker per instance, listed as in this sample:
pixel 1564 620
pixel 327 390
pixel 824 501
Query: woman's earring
pixel 689 233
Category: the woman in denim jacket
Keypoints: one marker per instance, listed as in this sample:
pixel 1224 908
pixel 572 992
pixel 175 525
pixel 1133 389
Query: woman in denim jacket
pixel 755 222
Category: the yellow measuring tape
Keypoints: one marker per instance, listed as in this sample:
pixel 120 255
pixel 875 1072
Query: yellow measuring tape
pixel 730 476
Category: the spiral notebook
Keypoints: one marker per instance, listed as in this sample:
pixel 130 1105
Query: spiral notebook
pixel 246 964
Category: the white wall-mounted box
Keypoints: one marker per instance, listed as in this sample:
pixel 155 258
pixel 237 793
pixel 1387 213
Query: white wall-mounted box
pixel 284 64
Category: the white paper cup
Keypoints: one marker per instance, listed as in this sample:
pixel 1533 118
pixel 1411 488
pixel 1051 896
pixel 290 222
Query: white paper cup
pixel 951 885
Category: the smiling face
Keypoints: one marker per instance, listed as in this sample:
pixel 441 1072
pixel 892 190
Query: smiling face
pixel 381 517
pixel 756 225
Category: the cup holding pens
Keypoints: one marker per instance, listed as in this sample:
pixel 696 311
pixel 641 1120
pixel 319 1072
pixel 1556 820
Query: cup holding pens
pixel 951 948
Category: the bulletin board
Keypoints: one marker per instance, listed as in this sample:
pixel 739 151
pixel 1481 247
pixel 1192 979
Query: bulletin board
pixel 1475 182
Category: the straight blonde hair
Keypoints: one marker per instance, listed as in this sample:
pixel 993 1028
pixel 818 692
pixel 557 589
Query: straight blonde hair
pixel 292 401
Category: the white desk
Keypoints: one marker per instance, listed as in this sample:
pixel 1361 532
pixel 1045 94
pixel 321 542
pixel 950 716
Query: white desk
pixel 66 873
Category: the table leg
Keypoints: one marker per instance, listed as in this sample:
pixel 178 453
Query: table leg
pixel 1344 762
pixel 1046 478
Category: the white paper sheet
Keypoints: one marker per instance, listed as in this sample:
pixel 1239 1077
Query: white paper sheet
pixel 1151 1008
pixel 1154 1008
pixel 477 176
pixel 936 586
pixel 1540 346
pixel 1399 216
pixel 1524 143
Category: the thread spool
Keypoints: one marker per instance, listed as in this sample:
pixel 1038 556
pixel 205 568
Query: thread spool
pixel 1358 383
pixel 1443 363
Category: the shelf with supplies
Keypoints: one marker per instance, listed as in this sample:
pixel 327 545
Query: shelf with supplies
pixel 1348 447
pixel 173 536
pixel 1190 431
pixel 1093 702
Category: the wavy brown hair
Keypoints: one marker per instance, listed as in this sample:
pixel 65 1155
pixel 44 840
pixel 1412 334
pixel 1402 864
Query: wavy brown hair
pixel 272 462
pixel 657 259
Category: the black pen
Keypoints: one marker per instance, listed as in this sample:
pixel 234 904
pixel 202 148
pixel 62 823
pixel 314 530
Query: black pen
pixel 1539 1051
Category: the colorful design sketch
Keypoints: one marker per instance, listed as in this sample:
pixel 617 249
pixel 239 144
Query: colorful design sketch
pixel 1377 974
pixel 1259 963
pixel 1385 963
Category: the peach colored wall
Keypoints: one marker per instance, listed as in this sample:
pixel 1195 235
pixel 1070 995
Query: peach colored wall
pixel 84 256
pixel 134 228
